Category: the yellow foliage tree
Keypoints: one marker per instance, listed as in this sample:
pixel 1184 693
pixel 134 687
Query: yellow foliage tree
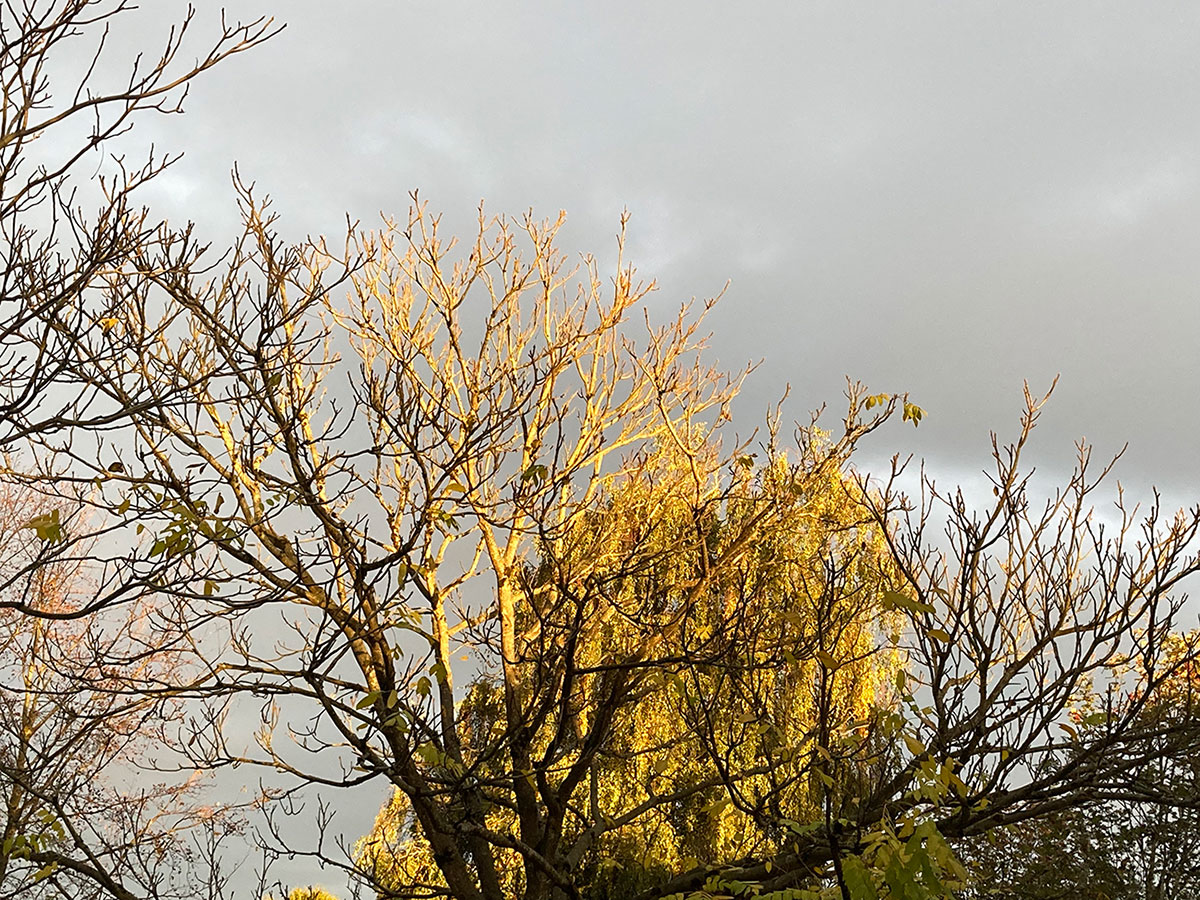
pixel 725 741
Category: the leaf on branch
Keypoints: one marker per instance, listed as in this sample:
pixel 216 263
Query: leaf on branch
pixel 825 658
pixel 536 473
pixel 915 747
pixel 858 879
pixel 898 600
pixel 47 526
pixel 913 413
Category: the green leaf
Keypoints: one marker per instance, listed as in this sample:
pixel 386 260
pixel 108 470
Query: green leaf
pixel 431 755
pixel 939 635
pixel 858 879
pixel 47 527
pixel 535 473
pixel 915 747
pixel 944 856
pixel 397 720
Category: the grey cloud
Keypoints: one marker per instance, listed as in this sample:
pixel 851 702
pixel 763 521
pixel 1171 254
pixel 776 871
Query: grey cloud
pixel 945 199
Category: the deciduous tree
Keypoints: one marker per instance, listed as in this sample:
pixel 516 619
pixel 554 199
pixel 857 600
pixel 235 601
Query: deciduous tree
pixel 92 806
pixel 361 479
pixel 468 523
pixel 65 99
pixel 463 460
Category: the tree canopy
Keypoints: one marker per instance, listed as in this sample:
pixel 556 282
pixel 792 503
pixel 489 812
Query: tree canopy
pixel 470 523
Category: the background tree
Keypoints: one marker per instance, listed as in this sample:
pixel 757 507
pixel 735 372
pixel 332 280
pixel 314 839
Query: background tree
pixel 88 812
pixel 64 100
pixel 722 744
pixel 1141 840
pixel 1065 854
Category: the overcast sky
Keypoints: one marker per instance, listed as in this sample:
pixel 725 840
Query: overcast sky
pixel 941 198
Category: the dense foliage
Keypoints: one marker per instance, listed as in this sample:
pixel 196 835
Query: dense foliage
pixel 722 749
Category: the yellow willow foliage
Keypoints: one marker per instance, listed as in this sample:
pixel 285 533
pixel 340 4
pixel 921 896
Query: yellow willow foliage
pixel 815 665
pixel 309 893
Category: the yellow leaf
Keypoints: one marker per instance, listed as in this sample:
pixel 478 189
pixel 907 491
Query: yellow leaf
pixel 915 747
pixel 826 659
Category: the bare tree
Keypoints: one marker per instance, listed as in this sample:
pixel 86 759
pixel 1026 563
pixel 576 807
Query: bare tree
pixel 65 99
pixel 468 461
pixel 1043 635
pixel 72 731
pixel 1141 840
pixel 92 806
pixel 468 469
